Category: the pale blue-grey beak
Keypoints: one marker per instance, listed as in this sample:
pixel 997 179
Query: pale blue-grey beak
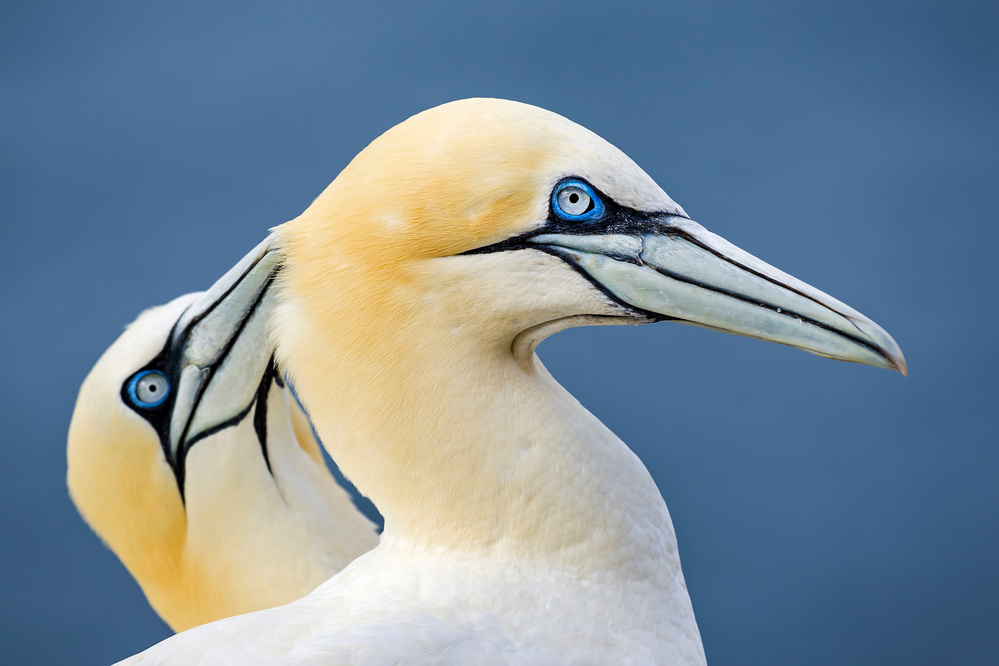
pixel 676 269
pixel 219 350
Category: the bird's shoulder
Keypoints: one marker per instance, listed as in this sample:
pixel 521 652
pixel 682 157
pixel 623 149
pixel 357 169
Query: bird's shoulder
pixel 283 638
pixel 412 608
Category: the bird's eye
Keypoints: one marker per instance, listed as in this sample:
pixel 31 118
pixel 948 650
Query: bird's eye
pixel 575 200
pixel 149 388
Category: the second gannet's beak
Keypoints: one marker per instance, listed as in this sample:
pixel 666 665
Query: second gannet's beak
pixel 669 267
pixel 215 359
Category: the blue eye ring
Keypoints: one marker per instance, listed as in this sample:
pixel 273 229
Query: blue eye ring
pixel 595 210
pixel 134 389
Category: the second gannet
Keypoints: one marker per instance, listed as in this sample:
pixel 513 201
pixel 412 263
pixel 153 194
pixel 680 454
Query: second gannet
pixel 414 290
pixel 192 461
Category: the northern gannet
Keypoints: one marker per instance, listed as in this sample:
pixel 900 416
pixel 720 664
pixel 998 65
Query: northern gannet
pixel 191 460
pixel 413 293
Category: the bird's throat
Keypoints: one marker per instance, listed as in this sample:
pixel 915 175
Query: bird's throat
pixel 463 448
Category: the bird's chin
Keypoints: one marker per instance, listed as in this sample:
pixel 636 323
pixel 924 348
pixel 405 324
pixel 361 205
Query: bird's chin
pixel 528 340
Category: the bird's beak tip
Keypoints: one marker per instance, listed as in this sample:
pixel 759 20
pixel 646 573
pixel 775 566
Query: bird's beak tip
pixel 884 343
pixel 897 363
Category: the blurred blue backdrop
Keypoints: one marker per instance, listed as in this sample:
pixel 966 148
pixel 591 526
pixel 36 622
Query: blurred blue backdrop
pixel 827 513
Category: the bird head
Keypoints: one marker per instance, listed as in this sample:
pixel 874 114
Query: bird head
pixel 179 374
pixel 413 292
pixel 504 223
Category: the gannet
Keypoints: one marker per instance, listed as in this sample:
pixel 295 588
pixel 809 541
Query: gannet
pixel 192 461
pixel 412 295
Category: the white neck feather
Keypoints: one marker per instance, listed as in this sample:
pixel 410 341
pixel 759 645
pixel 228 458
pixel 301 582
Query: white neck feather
pixel 463 449
pixel 260 537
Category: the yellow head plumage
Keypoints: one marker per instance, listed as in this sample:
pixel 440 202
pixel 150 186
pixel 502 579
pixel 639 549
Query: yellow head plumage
pixel 241 542
pixel 118 475
pixel 392 325
pixel 457 177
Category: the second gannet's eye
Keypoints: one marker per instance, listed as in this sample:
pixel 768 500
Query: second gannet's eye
pixel 573 200
pixel 148 389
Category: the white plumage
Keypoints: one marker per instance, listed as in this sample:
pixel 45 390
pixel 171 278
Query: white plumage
pixel 412 293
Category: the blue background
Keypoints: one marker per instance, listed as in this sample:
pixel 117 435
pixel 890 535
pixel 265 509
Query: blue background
pixel 827 513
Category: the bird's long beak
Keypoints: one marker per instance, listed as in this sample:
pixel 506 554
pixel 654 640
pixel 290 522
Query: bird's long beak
pixel 676 269
pixel 220 349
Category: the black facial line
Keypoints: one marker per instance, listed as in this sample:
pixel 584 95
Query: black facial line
pixel 158 416
pixel 212 369
pixel 260 415
pixel 763 304
pixel 235 420
pixel 616 219
pixel 694 241
pixel 564 256
pixel 225 295
pixel 169 365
